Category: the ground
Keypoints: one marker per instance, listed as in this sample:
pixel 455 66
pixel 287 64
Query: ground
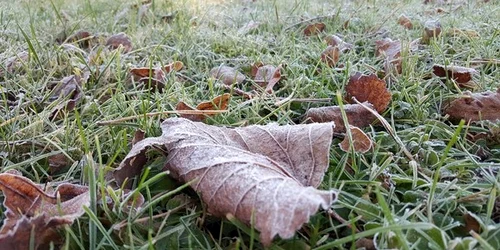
pixel 428 182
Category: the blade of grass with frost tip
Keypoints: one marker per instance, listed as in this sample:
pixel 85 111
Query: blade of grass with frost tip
pixel 145 184
pixel 482 241
pixel 98 224
pixel 433 187
pixel 370 232
pixel 90 172
pixel 389 216
pixel 193 235
pixel 30 47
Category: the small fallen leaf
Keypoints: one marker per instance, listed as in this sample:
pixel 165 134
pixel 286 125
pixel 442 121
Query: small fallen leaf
pixel 153 77
pixel 82 37
pixel 119 40
pixel 58 162
pixel 133 166
pixel 330 56
pixel 31 210
pixel 336 41
pixel 432 29
pixel 405 21
pixel 227 75
pixel 17 61
pixel 368 88
pixel 314 29
pixel 460 74
pixel 69 91
pixel 475 106
pixel 267 76
pixel 218 103
pixel 356 115
pixel 391 51
pixel 238 171
pixel 365 243
pixel 471 223
pixel 361 141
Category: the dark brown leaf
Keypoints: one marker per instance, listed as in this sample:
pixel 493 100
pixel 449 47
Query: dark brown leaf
pixel 356 115
pixel 361 142
pixel 471 223
pixel 475 107
pixel 227 75
pixel 69 92
pixel 238 171
pixel 133 166
pixel 82 37
pixel 58 162
pixel 368 88
pixel 314 29
pixel 120 40
pixel 459 74
pixel 30 209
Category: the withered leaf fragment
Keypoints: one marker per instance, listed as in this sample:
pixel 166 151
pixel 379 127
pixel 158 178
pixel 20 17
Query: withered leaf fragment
pixel 361 141
pixel 475 106
pixel 120 40
pixel 404 21
pixel 153 77
pixel 368 88
pixel 31 210
pixel 15 62
pixel 227 75
pixel 264 175
pixel 69 92
pixel 432 29
pixel 336 41
pixel 218 103
pixel 133 166
pixel 391 51
pixel 356 116
pixel 459 74
pixel 330 56
pixel 266 76
pixel 314 29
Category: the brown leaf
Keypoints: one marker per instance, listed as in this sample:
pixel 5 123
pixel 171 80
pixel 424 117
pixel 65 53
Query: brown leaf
pixel 218 103
pixel 82 37
pixel 120 40
pixel 239 171
pixel 391 51
pixel 462 33
pixel 69 91
pixel 314 29
pixel 432 29
pixel 368 88
pixel 30 209
pixel 475 106
pixel 336 41
pixel 227 75
pixel 361 141
pixel 404 21
pixel 471 223
pixel 17 61
pixel 365 243
pixel 267 76
pixel 459 74
pixel 330 56
pixel 133 166
pixel 356 115
pixel 58 162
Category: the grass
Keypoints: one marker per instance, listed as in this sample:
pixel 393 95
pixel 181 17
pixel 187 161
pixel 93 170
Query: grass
pixel 400 202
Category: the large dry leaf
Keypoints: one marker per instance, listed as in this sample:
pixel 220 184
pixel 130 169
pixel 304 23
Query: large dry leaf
pixel 263 175
pixel 460 74
pixel 227 75
pixel 368 88
pixel 361 141
pixel 120 40
pixel 356 116
pixel 32 210
pixel 218 103
pixel 475 107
